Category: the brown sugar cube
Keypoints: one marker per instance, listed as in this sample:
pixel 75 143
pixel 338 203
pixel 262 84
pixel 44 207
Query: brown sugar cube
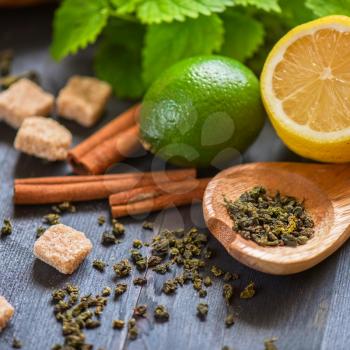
pixel 6 312
pixel 83 99
pixel 22 100
pixel 63 248
pixel 43 138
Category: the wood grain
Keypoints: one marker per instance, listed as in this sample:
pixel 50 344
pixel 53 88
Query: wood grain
pixel 325 190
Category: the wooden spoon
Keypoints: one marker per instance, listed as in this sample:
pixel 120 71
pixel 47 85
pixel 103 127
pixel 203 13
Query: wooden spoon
pixel 326 191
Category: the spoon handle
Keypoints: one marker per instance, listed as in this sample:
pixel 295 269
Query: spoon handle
pixel 329 177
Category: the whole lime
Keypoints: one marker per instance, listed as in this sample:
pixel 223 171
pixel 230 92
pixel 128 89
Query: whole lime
pixel 201 111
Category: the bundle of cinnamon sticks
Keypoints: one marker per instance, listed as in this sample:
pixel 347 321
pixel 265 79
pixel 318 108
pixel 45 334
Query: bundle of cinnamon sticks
pixel 128 193
pixel 115 141
pixel 157 197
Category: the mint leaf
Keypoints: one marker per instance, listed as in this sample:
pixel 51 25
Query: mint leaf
pixel 274 27
pixel 125 33
pixel 329 7
pixel 243 35
pixel 266 5
pixel 295 12
pixel 168 43
pixel 76 24
pixel 121 68
pixel 158 11
pixel 118 58
pixel 126 6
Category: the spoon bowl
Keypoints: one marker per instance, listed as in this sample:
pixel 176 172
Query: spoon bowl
pixel 325 190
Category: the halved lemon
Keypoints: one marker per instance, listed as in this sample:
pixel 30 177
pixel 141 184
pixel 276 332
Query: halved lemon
pixel 305 86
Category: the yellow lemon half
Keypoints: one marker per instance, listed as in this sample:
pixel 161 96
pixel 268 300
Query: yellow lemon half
pixel 305 86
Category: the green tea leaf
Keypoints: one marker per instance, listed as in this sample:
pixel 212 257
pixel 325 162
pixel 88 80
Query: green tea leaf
pixel 76 24
pixel 168 43
pixel 118 58
pixel 329 7
pixel 266 5
pixel 158 11
pixel 243 35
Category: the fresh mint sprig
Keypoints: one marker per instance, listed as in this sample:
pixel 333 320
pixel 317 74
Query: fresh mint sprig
pixel 159 11
pixel 141 38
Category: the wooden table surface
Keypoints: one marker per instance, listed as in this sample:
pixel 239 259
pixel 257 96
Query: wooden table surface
pixel 310 310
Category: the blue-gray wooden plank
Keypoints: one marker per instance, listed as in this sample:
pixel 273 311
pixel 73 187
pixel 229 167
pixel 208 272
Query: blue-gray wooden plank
pixel 307 311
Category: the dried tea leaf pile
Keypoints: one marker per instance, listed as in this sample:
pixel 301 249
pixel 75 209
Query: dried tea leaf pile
pixel 77 313
pixel 186 250
pixel 270 221
pixel 182 253
pixel 112 236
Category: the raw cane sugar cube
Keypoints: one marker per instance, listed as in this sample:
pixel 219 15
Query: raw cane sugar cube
pixel 6 312
pixel 83 99
pixel 43 138
pixel 22 100
pixel 62 247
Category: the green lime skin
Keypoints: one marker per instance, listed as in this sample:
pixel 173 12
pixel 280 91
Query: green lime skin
pixel 201 111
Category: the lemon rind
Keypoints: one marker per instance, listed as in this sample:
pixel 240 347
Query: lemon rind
pixel 273 105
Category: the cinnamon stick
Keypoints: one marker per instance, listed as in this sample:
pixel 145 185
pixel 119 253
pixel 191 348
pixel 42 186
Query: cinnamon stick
pixel 160 202
pixel 110 152
pixel 83 188
pixel 110 144
pixel 72 179
pixel 142 193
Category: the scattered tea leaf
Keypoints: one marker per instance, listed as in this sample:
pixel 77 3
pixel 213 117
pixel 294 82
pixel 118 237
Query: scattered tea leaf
pixel 248 292
pixel 140 311
pixel 229 320
pixel 122 268
pixel 108 238
pixel 216 271
pixel 40 231
pixel 270 344
pixel 161 313
pixel 6 229
pixel 140 281
pixel 52 219
pixel 169 286
pixel 227 292
pixel 132 329
pixel 120 289
pixel 118 229
pixel 16 343
pixel 118 324
pixel 147 225
pixel 202 310
pixel 64 207
pixel 99 265
pixel 101 220
pixel 137 243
